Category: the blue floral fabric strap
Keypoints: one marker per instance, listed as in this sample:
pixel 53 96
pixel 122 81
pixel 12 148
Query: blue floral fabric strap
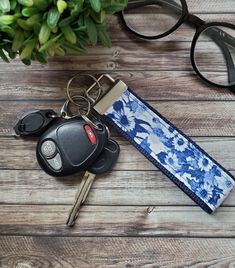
pixel 175 154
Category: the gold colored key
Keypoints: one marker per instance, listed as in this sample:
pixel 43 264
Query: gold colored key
pixel 81 196
pixel 103 163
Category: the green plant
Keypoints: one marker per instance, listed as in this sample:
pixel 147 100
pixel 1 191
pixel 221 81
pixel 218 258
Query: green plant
pixel 34 29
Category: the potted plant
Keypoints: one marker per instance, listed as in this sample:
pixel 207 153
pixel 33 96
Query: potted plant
pixel 36 29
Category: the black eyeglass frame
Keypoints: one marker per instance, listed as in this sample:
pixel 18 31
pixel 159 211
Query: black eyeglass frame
pixel 193 20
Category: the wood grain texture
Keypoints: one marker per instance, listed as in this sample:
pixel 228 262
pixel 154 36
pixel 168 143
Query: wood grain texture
pixel 20 154
pixel 115 221
pixel 147 188
pixel 148 56
pixel 151 85
pixel 194 118
pixel 73 252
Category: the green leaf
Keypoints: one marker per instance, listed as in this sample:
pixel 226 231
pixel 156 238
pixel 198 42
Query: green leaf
pixel 61 5
pixel 27 51
pixel 49 43
pixel 69 34
pixel 104 36
pixel 3 56
pixel 29 11
pixel 18 41
pixel 5 6
pixel 7 19
pixel 96 5
pixel 40 57
pixel 53 17
pixel 27 3
pixel 73 49
pixel 26 61
pixel 23 24
pixel 91 30
pixel 13 4
pixel 44 34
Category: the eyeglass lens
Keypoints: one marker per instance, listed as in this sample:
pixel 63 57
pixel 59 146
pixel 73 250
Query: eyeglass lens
pixel 215 55
pixel 152 18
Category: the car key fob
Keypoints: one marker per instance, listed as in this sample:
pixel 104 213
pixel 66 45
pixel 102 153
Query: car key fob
pixel 70 146
pixel 107 159
pixel 34 122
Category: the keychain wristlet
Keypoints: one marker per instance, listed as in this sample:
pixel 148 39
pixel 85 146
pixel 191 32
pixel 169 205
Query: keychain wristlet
pixel 170 150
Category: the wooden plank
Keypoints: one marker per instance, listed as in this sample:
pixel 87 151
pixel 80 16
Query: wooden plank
pixel 194 118
pixel 20 154
pixel 208 6
pixel 152 85
pixel 117 221
pixel 115 252
pixel 184 33
pixel 122 56
pixel 143 188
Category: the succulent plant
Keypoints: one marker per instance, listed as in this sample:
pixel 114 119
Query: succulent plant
pixel 35 29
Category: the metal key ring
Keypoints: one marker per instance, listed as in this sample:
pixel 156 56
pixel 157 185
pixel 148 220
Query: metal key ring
pixel 65 108
pixel 65 115
pixel 87 98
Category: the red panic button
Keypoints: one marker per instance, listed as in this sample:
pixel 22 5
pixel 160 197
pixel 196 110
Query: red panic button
pixel 90 134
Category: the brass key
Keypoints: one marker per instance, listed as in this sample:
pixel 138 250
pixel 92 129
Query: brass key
pixel 81 196
pixel 103 163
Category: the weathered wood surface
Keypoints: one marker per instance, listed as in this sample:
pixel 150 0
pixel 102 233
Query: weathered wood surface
pixel 117 221
pixel 142 188
pixel 200 118
pixel 151 85
pixel 125 56
pixel 114 228
pixel 73 252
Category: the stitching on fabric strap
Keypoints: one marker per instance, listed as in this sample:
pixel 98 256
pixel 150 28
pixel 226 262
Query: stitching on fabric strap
pixel 170 150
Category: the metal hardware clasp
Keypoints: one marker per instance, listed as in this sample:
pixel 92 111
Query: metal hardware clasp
pixel 108 96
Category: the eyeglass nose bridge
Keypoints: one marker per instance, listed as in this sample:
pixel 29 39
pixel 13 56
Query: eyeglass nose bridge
pixel 194 20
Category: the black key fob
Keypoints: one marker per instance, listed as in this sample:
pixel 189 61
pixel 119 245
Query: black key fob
pixel 70 146
pixel 34 122
pixel 107 159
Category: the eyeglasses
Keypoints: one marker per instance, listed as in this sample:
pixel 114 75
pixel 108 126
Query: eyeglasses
pixel 213 45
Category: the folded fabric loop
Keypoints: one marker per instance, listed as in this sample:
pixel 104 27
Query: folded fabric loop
pixel 170 150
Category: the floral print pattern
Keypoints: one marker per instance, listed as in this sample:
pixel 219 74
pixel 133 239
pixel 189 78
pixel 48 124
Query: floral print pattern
pixel 172 150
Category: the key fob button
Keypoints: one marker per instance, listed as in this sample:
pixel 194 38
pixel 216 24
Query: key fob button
pixel 76 146
pixel 55 162
pixel 48 148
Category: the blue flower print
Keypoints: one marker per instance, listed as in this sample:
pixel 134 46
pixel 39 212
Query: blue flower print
pixel 179 143
pixel 123 115
pixel 172 161
pixel 185 161
pixel 204 191
pixel 204 164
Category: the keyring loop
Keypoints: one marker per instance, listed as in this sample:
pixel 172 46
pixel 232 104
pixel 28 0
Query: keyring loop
pixel 90 122
pixel 87 98
pixel 65 108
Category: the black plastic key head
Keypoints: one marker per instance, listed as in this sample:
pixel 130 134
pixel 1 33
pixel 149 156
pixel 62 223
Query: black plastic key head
pixel 70 146
pixel 34 122
pixel 107 159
